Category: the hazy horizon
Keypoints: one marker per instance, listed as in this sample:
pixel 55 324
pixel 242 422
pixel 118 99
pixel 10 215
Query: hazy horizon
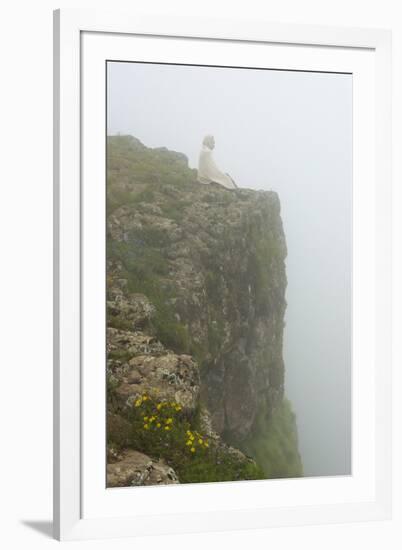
pixel 290 132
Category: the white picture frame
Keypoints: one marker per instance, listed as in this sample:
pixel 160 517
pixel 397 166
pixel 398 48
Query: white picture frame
pixel 83 507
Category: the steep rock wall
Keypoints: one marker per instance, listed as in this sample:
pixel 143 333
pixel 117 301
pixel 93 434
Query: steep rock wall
pixel 211 263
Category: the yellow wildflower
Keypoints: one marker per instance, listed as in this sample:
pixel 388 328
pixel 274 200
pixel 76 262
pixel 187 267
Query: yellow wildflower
pixel 169 420
pixel 188 433
pixel 189 442
pixel 138 403
pixel 146 426
pixel 167 428
pixel 192 449
pixel 144 397
pixel 158 425
pixel 192 437
pixel 206 444
pixel 159 406
pixel 200 441
pixel 145 418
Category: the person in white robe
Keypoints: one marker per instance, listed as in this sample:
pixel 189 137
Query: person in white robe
pixel 208 171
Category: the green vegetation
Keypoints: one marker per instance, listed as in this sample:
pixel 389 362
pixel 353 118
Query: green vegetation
pixel 161 429
pixel 135 173
pixel 145 268
pixel 274 443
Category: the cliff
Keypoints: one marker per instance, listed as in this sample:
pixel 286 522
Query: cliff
pixel 196 300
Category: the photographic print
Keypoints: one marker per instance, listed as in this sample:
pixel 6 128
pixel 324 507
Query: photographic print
pixel 228 274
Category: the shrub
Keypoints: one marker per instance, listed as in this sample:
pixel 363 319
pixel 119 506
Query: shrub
pixel 161 429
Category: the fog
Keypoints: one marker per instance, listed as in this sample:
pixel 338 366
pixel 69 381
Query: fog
pixel 290 132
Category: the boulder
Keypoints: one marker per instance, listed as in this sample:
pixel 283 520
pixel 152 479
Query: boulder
pixel 134 468
pixel 168 377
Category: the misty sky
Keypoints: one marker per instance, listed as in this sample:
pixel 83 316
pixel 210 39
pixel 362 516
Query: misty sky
pixel 290 132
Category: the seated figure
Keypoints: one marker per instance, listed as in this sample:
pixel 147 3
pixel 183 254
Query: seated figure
pixel 208 172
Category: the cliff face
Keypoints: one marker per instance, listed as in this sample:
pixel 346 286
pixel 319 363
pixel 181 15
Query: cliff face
pixel 198 271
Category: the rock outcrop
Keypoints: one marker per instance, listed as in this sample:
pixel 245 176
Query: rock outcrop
pixel 133 468
pixel 138 365
pixel 196 292
pixel 146 366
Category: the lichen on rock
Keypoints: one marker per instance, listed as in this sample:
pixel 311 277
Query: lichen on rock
pixel 134 468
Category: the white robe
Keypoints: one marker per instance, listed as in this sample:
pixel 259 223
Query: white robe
pixel 209 172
